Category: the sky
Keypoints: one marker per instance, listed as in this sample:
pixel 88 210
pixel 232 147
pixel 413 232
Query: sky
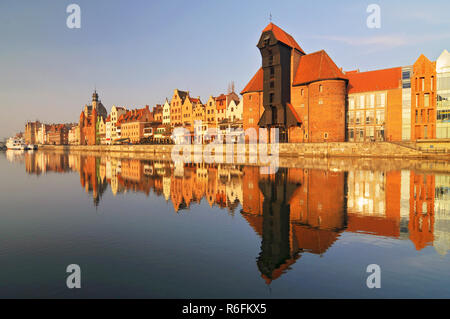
pixel 135 53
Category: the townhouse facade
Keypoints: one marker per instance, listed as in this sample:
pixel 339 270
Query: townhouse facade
pixel 166 113
pixel 133 123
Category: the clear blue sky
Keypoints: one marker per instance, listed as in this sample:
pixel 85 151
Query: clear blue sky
pixel 137 52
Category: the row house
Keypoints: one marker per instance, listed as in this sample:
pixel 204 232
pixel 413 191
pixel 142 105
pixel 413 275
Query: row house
pixel 74 135
pixel 31 132
pixel 158 113
pixel 133 123
pixel 57 134
pixel 222 105
pixel 42 134
pixel 166 113
pixel 200 123
pixel 176 105
pixel 187 112
pixel 108 130
pixel 116 113
pixel 210 113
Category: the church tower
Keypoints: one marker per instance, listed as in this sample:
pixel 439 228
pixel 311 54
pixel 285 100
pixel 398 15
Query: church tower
pixel 94 99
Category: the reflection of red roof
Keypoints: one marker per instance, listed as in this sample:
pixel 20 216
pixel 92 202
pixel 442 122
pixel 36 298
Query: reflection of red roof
pixel 256 83
pixel 143 114
pixel 378 80
pixel 255 221
pixel 316 241
pixel 282 36
pixel 276 273
pixel 316 66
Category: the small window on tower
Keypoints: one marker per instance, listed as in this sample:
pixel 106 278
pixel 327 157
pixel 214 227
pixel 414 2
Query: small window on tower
pixel 320 88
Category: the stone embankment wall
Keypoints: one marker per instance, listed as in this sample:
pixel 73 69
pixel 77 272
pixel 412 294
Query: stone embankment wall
pixel 289 160
pixel 347 149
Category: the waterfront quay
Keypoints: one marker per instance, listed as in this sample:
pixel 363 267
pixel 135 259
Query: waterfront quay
pixel 289 151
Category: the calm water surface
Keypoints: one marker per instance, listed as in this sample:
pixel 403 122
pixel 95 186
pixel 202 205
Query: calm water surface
pixel 141 228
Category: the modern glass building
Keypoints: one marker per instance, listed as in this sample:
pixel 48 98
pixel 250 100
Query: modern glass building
pixel 443 95
pixel 406 102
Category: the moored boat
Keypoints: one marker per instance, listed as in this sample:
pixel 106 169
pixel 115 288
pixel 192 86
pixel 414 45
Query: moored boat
pixel 15 143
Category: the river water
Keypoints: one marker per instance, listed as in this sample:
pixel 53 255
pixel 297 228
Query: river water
pixel 152 229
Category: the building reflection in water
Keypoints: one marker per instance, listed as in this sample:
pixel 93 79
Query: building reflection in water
pixel 294 211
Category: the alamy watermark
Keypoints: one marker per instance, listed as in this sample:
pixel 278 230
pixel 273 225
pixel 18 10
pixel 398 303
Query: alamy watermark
pixel 374 19
pixel 74 279
pixel 74 19
pixel 232 146
pixel 374 279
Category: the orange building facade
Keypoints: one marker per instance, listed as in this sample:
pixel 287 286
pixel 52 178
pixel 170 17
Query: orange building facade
pixel 423 99
pixel 374 105
pixel 133 123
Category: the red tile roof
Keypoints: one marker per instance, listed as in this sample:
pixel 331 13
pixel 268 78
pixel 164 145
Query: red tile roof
pixel 256 83
pixel 283 36
pixel 316 66
pixel 136 115
pixel 297 117
pixel 378 80
pixel 194 100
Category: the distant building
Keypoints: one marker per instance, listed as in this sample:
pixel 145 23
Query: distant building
pixel 108 130
pixel 31 132
pixel 166 113
pixel 88 122
pixel 222 103
pixel 176 106
pixel 116 112
pixel 57 134
pixel 158 113
pixel 133 122
pixel 74 135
